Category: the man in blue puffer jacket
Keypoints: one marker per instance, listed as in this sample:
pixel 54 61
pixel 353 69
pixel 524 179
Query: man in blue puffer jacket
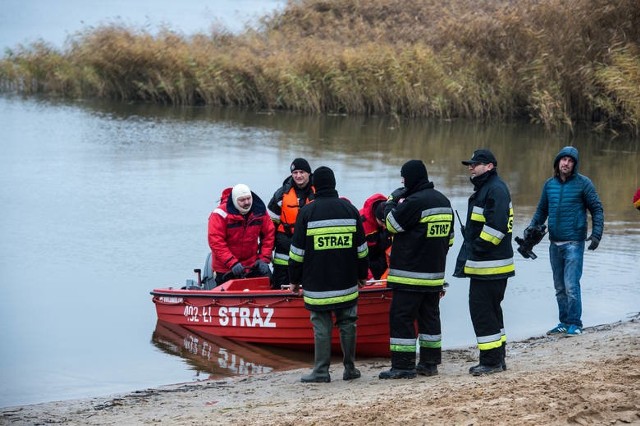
pixel 565 199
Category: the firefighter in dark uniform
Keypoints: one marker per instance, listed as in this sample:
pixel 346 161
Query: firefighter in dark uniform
pixel 328 258
pixel 486 257
pixel 420 219
pixel 295 192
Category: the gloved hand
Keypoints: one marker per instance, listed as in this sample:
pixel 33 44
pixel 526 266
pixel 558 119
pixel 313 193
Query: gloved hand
pixel 261 267
pixel 527 232
pixel 237 270
pixel 397 194
pixel 595 242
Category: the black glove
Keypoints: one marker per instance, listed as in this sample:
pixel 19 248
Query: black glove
pixel 237 270
pixel 261 267
pixel 528 233
pixel 397 194
pixel 595 242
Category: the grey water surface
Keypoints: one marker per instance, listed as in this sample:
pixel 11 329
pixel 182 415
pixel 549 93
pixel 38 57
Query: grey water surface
pixel 102 202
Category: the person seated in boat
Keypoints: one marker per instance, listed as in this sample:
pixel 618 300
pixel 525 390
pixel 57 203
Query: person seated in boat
pixel 295 192
pixel 241 235
pixel 378 239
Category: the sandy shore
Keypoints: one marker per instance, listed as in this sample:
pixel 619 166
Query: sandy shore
pixel 590 379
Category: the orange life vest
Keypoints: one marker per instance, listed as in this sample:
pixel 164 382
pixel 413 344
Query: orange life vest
pixel 289 210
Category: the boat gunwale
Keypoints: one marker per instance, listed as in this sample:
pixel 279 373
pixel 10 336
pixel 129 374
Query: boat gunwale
pixel 207 294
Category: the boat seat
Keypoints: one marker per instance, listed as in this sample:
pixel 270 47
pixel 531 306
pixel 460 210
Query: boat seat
pixel 247 284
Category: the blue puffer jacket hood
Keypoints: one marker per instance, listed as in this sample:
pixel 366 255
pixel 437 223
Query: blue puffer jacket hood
pixel 567 151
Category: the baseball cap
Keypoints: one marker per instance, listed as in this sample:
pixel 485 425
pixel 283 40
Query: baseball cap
pixel 483 156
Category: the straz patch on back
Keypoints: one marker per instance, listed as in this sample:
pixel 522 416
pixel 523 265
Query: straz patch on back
pixel 333 241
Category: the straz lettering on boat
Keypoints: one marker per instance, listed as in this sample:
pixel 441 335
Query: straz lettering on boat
pixel 234 316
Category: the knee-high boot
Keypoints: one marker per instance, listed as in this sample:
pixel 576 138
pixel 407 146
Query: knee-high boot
pixel 504 356
pixel 348 343
pixel 322 360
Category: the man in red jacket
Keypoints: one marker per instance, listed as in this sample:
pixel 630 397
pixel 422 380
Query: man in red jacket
pixel 241 235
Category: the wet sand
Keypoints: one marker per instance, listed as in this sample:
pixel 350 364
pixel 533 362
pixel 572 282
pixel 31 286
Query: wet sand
pixel 590 379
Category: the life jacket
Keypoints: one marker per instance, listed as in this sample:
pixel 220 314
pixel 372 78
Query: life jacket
pixel 289 210
pixel 367 212
pixel 378 240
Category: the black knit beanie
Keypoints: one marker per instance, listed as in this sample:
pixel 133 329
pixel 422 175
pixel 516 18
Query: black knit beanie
pixel 379 211
pixel 413 172
pixel 300 164
pixel 324 179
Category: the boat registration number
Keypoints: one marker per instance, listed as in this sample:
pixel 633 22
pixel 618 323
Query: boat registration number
pixel 231 316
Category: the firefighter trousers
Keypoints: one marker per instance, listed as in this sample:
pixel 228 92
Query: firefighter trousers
pixel 485 297
pixel 409 308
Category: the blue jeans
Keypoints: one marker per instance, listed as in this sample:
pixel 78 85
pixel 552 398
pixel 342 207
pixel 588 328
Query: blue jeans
pixel 566 264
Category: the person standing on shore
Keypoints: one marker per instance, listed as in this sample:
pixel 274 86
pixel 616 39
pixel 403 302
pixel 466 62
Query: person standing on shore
pixel 420 219
pixel 486 257
pixel 328 257
pixel 295 192
pixel 564 201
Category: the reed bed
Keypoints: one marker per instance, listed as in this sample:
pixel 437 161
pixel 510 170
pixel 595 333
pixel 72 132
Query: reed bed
pixel 554 62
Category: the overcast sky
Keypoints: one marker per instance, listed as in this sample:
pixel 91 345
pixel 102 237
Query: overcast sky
pixel 25 21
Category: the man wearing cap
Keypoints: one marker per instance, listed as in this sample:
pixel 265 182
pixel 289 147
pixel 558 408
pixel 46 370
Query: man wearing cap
pixel 241 235
pixel 328 258
pixel 420 219
pixel 486 257
pixel 564 201
pixel 295 192
pixel 378 239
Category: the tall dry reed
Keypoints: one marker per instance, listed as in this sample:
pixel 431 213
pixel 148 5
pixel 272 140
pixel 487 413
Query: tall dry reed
pixel 555 62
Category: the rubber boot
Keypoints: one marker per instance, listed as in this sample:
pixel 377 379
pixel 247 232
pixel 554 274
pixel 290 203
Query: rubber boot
pixel 504 356
pixel 348 343
pixel 322 360
pixel 403 366
pixel 491 361
pixel 429 360
pixel 397 373
pixel 322 354
pixel 425 369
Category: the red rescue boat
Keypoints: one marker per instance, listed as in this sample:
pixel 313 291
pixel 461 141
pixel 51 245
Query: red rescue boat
pixel 248 310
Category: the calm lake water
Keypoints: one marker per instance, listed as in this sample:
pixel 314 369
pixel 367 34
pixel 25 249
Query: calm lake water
pixel 103 202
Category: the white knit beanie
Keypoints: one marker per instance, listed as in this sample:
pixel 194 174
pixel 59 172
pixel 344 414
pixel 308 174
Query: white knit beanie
pixel 241 190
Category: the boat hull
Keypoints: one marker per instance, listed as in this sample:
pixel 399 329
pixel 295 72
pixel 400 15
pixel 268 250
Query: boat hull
pixel 248 310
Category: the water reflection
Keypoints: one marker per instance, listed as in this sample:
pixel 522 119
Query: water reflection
pixel 525 153
pixel 216 357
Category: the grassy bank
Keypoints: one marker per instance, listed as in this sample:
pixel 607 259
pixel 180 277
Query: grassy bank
pixel 556 62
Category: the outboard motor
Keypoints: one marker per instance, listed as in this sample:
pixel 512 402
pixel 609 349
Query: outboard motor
pixel 208 280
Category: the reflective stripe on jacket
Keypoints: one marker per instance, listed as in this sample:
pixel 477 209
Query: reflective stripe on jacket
pixel 489 254
pixel 422 229
pixel 328 254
